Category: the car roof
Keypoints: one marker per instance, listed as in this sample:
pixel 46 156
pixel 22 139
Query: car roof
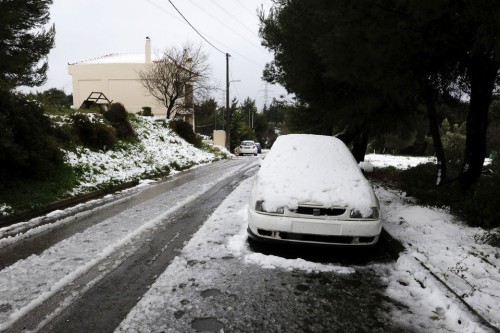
pixel 312 168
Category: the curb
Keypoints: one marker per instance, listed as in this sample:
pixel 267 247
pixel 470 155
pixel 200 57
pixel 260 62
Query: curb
pixel 26 215
pixel 61 204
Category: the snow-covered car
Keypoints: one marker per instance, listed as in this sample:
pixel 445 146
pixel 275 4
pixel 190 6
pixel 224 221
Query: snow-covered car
pixel 310 189
pixel 246 147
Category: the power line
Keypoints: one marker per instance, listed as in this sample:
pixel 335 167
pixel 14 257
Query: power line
pixel 233 80
pixel 227 26
pixel 235 19
pixel 203 37
pixel 218 42
pixel 248 11
pixel 164 10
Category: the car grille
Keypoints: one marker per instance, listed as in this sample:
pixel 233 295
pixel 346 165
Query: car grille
pixel 318 211
pixel 316 238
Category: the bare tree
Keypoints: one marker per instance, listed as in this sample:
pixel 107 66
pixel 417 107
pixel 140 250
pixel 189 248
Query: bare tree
pixel 178 78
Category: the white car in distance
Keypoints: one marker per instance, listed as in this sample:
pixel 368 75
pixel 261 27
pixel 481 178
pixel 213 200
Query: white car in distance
pixel 310 189
pixel 246 147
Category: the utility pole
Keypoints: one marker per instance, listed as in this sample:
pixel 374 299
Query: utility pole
pixel 227 117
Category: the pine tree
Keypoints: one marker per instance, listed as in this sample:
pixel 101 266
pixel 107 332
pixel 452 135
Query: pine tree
pixel 25 42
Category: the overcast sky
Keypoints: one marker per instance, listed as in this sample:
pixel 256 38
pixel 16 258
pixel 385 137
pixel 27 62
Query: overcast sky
pixel 87 29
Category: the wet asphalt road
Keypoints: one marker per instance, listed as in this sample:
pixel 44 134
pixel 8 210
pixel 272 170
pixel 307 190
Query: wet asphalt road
pixel 250 298
pixel 278 301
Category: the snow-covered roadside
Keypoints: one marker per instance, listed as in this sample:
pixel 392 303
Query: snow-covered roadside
pixel 157 149
pixel 452 251
pixel 399 162
pixel 427 305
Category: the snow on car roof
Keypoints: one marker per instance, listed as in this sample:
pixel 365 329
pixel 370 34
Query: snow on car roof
pixel 315 169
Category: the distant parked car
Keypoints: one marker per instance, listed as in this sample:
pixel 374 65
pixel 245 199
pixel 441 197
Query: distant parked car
pixel 259 148
pixel 246 147
pixel 310 189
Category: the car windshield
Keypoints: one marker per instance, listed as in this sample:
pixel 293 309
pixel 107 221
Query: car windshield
pixel 247 143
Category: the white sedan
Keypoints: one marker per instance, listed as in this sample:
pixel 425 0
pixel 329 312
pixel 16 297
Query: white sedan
pixel 246 147
pixel 310 189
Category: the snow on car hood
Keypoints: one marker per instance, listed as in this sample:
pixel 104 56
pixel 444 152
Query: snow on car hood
pixel 318 169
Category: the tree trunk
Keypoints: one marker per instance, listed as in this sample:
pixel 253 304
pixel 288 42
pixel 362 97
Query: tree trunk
pixel 358 136
pixel 360 144
pixel 436 136
pixel 170 107
pixel 482 71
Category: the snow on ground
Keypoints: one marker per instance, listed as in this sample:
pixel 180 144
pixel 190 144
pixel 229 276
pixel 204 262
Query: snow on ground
pixel 455 253
pixel 429 307
pixel 451 250
pixel 223 235
pixel 158 148
pixel 399 162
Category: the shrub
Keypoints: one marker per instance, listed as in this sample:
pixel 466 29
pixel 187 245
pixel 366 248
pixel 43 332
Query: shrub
pixel 477 207
pixel 65 135
pixel 185 131
pixel 116 113
pixel 118 117
pixel 146 112
pixel 93 134
pixel 28 148
pixel 453 138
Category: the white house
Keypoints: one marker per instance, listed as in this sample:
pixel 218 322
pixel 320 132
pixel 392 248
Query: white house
pixel 117 77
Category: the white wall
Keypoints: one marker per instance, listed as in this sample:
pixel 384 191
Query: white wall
pixel 119 82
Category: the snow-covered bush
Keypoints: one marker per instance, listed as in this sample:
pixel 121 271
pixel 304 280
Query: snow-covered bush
pixel 93 131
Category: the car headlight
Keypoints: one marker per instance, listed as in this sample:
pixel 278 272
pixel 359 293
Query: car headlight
pixel 357 214
pixel 259 207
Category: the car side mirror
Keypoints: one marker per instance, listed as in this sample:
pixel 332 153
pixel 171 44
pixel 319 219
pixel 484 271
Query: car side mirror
pixel 366 166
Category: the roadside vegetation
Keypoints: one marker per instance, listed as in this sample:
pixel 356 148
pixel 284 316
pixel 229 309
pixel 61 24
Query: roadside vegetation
pixel 46 149
pixel 477 207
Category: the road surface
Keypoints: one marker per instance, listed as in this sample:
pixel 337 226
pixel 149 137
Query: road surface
pixel 131 263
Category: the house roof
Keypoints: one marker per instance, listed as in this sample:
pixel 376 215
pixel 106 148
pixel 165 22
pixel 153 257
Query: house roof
pixel 115 58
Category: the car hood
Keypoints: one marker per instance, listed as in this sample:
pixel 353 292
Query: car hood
pixel 312 169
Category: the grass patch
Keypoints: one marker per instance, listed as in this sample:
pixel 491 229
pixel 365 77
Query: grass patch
pixel 25 194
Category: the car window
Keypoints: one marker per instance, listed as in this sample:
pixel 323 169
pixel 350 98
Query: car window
pixel 247 143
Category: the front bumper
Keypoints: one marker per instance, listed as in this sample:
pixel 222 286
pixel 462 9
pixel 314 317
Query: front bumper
pixel 247 151
pixel 328 231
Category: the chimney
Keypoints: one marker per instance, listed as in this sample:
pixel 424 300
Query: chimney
pixel 148 50
pixel 186 60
